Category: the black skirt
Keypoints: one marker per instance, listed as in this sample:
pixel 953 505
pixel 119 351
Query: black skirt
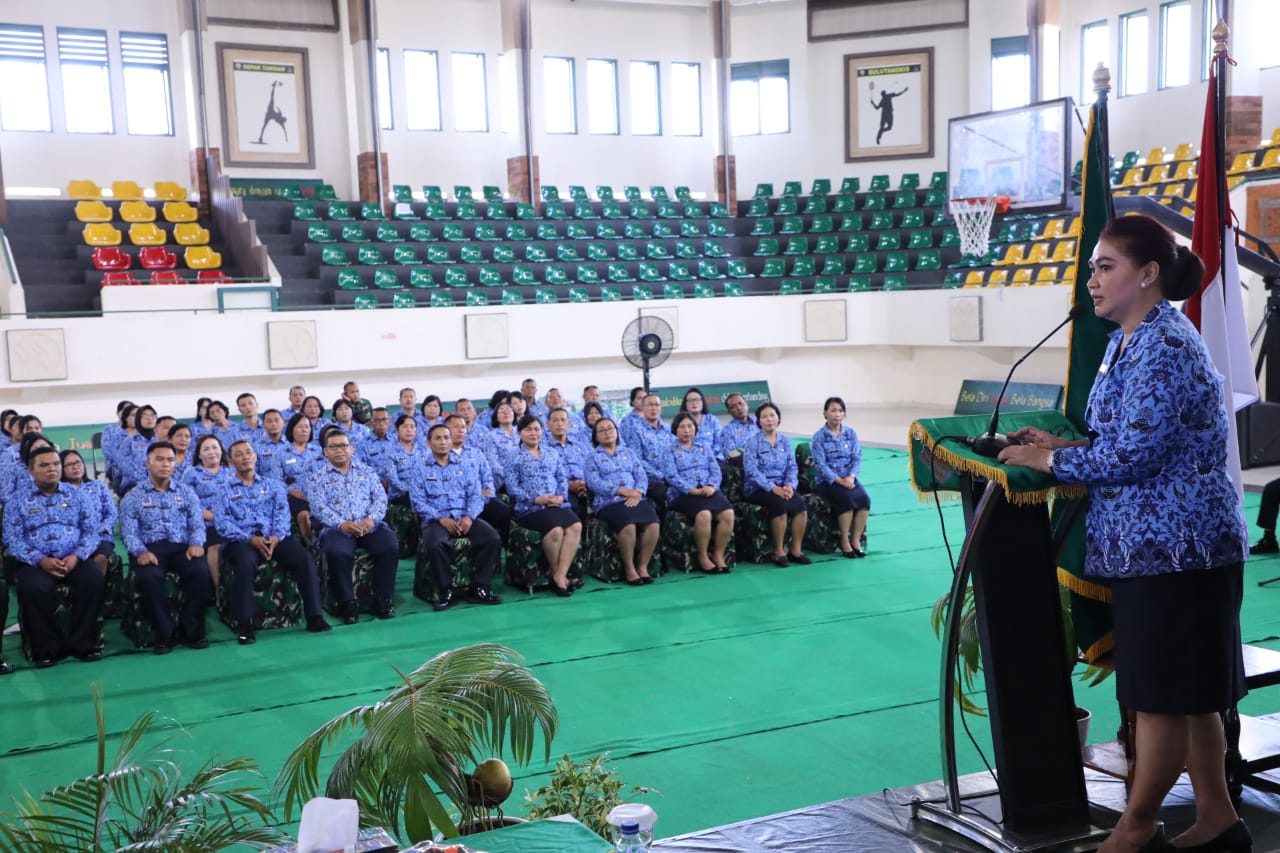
pixel 1178 641
pixel 619 515
pixel 844 500
pixel 690 505
pixel 775 506
pixel 547 519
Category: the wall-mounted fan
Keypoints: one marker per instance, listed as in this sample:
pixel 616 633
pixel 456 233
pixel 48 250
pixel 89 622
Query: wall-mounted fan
pixel 647 342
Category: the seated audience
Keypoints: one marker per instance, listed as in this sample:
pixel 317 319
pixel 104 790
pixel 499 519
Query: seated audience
pixel 201 424
pixel 250 425
pixel 537 480
pixel 343 414
pixel 100 500
pixel 497 512
pixel 223 428
pixel 572 453
pixel 770 478
pixel 618 483
pixel 739 429
pixel 446 497
pixel 432 414
pixel 205 477
pixel 376 448
pixel 296 395
pixel 52 530
pixel 408 403
pixel 649 436
pixel 529 394
pixel 708 426
pixel 14 476
pixel 298 458
pixel 362 409
pixel 348 505
pixel 180 438
pixel 271 446
pixel 132 452
pixel 693 490
pixel 251 514
pixel 402 461
pixel 163 531
pixel 502 439
pixel 837 456
pixel 313 409
pixel 635 417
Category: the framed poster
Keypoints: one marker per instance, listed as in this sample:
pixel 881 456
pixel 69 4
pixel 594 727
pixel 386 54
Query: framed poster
pixel 266 107
pixel 888 100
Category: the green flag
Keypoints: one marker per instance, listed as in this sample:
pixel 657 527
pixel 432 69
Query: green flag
pixel 1090 600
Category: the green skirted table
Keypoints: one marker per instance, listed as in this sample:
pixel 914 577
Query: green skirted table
pixel 539 836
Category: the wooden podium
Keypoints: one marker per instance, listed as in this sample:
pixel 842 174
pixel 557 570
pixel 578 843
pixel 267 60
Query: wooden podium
pixel 1041 801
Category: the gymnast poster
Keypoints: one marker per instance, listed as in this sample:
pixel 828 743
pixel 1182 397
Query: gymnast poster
pixel 266 107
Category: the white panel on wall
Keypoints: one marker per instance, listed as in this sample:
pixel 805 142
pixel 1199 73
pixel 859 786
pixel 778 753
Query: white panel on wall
pixel 965 315
pixel 292 345
pixel 486 336
pixel 36 355
pixel 825 320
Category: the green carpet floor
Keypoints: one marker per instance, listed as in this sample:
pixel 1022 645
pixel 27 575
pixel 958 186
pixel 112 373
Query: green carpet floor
pixel 735 696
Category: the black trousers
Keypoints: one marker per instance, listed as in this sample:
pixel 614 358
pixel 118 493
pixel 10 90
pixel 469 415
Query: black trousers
pixel 243 560
pixel 498 514
pixel 193 578
pixel 38 603
pixel 485 547
pixel 1270 505
pixel 339 551
pixel 657 495
pixel 4 608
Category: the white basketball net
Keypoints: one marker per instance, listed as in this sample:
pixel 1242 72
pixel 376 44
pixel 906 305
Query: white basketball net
pixel 973 220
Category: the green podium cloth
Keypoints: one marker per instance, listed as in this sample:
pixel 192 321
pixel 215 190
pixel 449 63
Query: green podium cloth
pixel 538 836
pixel 938 455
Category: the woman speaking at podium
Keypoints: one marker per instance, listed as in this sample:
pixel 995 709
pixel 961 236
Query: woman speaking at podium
pixel 1165 528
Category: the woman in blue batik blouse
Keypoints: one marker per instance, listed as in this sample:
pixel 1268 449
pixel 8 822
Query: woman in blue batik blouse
pixel 1164 526
pixel 770 478
pixel 618 483
pixel 693 490
pixel 537 480
pixel 837 458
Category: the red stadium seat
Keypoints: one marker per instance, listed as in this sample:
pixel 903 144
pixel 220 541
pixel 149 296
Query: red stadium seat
pixel 167 277
pixel 213 277
pixel 111 258
pixel 115 279
pixel 157 258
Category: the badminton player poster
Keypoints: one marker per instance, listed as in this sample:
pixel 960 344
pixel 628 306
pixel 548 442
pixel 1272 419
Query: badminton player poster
pixel 888 105
pixel 266 107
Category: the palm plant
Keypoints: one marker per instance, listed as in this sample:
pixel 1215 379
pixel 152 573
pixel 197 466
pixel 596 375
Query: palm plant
pixel 425 736
pixel 142 801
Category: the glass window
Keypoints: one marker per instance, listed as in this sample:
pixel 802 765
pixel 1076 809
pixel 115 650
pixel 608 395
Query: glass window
pixel 1175 44
pixel 470 95
pixel 646 99
pixel 148 100
pixel 602 96
pixel 1010 73
pixel 421 90
pixel 558 95
pixel 508 93
pixel 686 99
pixel 1133 53
pixel 24 84
pixel 1095 47
pixel 1210 21
pixel 759 98
pixel 384 89
pixel 86 83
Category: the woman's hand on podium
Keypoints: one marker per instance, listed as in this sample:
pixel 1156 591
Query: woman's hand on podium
pixel 1040 438
pixel 1027 456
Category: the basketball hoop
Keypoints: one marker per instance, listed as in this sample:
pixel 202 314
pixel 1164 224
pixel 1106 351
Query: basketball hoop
pixel 973 218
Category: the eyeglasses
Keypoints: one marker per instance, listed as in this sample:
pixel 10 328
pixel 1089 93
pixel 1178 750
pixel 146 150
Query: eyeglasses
pixel 343 446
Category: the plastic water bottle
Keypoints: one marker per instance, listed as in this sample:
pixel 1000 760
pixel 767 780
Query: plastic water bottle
pixel 629 840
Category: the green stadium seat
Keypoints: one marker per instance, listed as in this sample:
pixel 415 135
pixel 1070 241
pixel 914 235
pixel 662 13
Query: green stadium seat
pixel 827 244
pixel 554 210
pixel 909 181
pixel 792 189
pixel 669 210
pixel 547 231
pixel 953 279
pixel 732 288
pixel 845 204
pixel 526 212
pixel 587 274
pixel 610 294
pixel 895 282
pixel 758 207
pixel 887 241
pixel 577 192
pixel 929 259
pixel 350 280
pixel 477 298
pixel 673 291
pixel 796 246
pixel 584 210
pixel 767 247
pixel 738 269
pixel 833 265
pixel 940 217
pixel 686 249
pixel 604 193
pixel 656 250
pixel 787 207
pixel 852 222
pixel 606 231
pixel 388 233
pixel 632 194
pixel 579 294
pixel 682 193
pixel 938 181
pixel 598 252
pixel 640 210
pixel 556 274
pixel 487 232
pixel 567 253
pixel 690 229
pixel 864 264
pixel 822 225
pixel 659 194
pixel 709 270
pixel 545 296
pixel 824 284
pixel 420 277
pixel 318 232
pixel 575 231
pixel 850 186
pixel 305 211
pixel 353 232
pixel 453 232
pixel 774 268
pixel 512 297
pixel 634 231
pixel 821 186
pixel 628 252
pixel 912 219
pixel 497 211
pixel 372 211
pixel 763 191
pixel 641 293
pixel 340 211
pixel 370 255
pixel 403 300
pixel 694 210
pixel 679 271
pixel 386 279
pixel 491 193
pixel 762 227
pixel 456 277
pixel 470 253
pixel 365 301
pixel 904 199
pixel 790 287
pixel 535 254
pixel 792 225
pixel 405 255
pixel 663 231
pixel 702 290
pixel 934 198
pixel 402 192
pixel 435 211
pixel 438 255
pixel 815 204
pixel 432 193
pixel 467 211
pixel 648 271
pixel 859 242
pixel 859 283
pixel 896 262
pixel 718 229
pixel 516 232
pixel 874 201
pixel 804 267
pixel 440 299
pixel 881 219
pixel 879 183
pixel 522 274
pixel 950 238
pixel 325 192
pixel 421 233
pixel 550 193
pixel 920 239
pixel 713 249
pixel 618 273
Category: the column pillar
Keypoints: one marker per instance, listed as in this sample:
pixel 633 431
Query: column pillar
pixel 1243 124
pixel 520 184
pixel 200 176
pixel 729 197
pixel 367 177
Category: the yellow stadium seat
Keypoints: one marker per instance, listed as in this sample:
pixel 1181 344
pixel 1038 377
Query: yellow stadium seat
pixel 1243 162
pixel 1147 190
pixel 1186 171
pixel 1069 274
pixel 1155 155
pixel 1013 254
pixel 1074 230
pixel 1158 174
pixel 1185 151
pixel 202 258
pixel 1039 254
pixel 1053 229
pixel 1233 182
pixel 86 190
pixel 1047 275
pixel 1275 137
pixel 1271 159
pixel 997 278
pixel 101 234
pixel 974 278
pixel 1021 277
pixel 146 234
pixel 190 234
pixel 137 211
pixel 1064 251
pixel 170 191
pixel 127 191
pixel 1175 190
pixel 179 211
pixel 1132 177
pixel 93 211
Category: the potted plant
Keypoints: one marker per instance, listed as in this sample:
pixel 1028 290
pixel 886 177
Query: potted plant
pixel 423 738
pixel 143 800
pixel 588 790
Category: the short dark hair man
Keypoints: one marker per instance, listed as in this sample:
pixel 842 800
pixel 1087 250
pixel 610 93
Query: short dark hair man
pixel 361 409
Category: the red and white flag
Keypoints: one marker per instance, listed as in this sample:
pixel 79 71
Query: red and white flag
pixel 1218 310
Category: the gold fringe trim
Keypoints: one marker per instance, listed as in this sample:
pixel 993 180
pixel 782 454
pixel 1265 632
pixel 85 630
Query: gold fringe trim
pixel 1104 646
pixel 991 472
pixel 1085 588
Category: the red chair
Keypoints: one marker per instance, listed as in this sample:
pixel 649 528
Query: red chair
pixel 157 258
pixel 167 277
pixel 111 258
pixel 213 277
pixel 115 279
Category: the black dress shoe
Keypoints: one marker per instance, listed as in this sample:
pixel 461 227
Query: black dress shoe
pixel 7 668
pixel 800 559
pixel 196 643
pixel 89 656
pixel 562 591
pixel 646 579
pixel 635 581
pixel 246 636
pixel 383 610
pixel 723 570
pixel 350 613
pixel 480 595
pixel 856 553
pixel 318 625
pixel 1266 545
pixel 45 662
pixel 446 600
pixel 162 647
pixel 1159 844
pixel 780 562
pixel 1236 839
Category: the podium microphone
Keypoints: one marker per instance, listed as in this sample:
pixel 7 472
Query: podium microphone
pixel 993 441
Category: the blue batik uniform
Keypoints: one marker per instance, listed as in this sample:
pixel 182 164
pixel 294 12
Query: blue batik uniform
pixel 734 435
pixel 500 446
pixel 652 443
pixel 205 483
pixel 132 459
pixel 295 465
pixel 446 491
pixel 356 433
pixel 112 434
pixel 479 463
pixel 57 525
pixel 13 476
pixel 530 476
pixel 606 473
pixel 100 500
pixel 270 457
pixel 708 432
pixel 354 496
pixel 254 434
pixel 198 429
pixel 288 412
pixel 765 466
pixel 689 468
pixel 400 467
pixel 376 452
pixel 226 434
pixel 243 510
pixel 539 410
pixel 572 455
pixel 1161 499
pixel 836 456
pixel 149 515
pixel 629 426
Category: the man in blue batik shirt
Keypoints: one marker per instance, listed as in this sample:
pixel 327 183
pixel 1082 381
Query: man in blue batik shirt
pixel 572 455
pixel 651 438
pixel 733 436
pixel 163 531
pixel 374 448
pixel 497 512
pixel 537 408
pixel 348 505
pixel 447 498
pixel 271 447
pixel 51 530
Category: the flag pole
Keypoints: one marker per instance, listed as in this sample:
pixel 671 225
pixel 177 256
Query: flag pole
pixel 1220 34
pixel 1101 86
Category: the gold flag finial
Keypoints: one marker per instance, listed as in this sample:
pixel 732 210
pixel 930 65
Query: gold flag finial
pixel 1220 33
pixel 1101 80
